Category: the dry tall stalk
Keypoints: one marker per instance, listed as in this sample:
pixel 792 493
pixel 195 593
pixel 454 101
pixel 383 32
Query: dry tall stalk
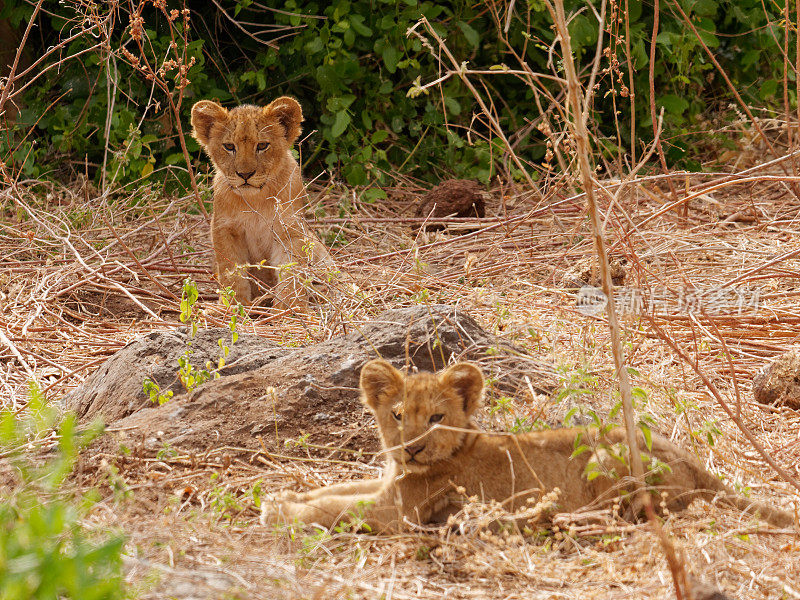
pixel 176 60
pixel 577 124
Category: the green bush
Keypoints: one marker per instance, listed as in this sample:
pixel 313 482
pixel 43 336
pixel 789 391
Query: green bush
pixel 45 552
pixel 352 65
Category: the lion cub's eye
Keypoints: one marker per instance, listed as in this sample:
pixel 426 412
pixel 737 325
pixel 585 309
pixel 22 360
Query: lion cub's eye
pixel 262 146
pixel 397 416
pixel 436 418
pixel 229 147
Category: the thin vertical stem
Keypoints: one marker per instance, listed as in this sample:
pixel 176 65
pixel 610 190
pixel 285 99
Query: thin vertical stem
pixel 786 107
pixel 631 88
pixel 581 135
pixel 577 124
pixel 652 77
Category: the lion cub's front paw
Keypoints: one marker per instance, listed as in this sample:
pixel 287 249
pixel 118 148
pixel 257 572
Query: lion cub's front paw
pixel 276 511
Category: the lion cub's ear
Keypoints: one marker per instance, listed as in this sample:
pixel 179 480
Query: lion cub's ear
pixel 379 381
pixel 467 381
pixel 289 114
pixel 204 114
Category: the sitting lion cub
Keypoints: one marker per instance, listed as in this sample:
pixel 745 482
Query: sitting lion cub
pixel 437 458
pixel 258 197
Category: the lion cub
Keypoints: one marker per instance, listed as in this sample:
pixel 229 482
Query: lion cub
pixel 259 197
pixel 436 458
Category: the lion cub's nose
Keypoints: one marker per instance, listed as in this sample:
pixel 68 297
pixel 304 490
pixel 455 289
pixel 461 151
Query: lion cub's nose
pixel 247 175
pixel 414 449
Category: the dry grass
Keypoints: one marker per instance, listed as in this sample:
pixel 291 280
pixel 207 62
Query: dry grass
pixel 82 275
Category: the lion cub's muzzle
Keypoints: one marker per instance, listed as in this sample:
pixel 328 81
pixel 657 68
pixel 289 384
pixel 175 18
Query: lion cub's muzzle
pixel 414 449
pixel 246 181
pixel 245 176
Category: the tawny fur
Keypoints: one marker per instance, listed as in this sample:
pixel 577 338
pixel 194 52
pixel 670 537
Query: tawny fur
pixel 259 197
pixel 426 464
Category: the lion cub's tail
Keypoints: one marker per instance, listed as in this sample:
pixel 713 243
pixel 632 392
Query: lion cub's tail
pixel 712 488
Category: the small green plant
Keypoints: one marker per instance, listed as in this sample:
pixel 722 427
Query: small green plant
pixel 605 455
pixel 423 296
pixel 523 425
pixel 224 502
pixel 502 314
pixel 300 441
pixel 502 405
pixel 45 551
pixel 356 522
pixel 423 552
pixel 255 493
pixel 166 451
pixel 310 544
pixel 709 430
pixel 655 469
pixel 190 376
pixel 575 383
pixel 153 391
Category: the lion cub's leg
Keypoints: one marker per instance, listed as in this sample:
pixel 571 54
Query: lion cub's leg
pixel 230 254
pixel 376 509
pixel 290 293
pixel 367 486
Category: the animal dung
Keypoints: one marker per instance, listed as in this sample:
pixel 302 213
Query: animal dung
pixel 452 198
pixel 779 383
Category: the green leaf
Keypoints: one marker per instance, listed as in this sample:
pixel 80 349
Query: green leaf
pixel 570 413
pixel 355 174
pixel 357 22
pixel 314 45
pixel 707 33
pixel 452 105
pixel 665 38
pixel 615 410
pixel 768 89
pixel 340 123
pixel 673 104
pixel 472 36
pixel 634 10
pixel 391 56
pixel 583 31
pixel 338 103
pixel 579 450
pixel 373 194
pixel 174 158
pixel 703 8
pixel 648 436
pixel 379 136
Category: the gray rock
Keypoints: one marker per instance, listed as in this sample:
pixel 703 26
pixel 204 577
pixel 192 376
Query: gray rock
pixel 315 388
pixel 115 389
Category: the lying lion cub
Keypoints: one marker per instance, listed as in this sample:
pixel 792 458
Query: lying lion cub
pixel 428 464
pixel 259 197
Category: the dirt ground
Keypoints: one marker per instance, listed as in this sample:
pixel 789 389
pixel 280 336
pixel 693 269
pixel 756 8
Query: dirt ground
pixel 81 279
